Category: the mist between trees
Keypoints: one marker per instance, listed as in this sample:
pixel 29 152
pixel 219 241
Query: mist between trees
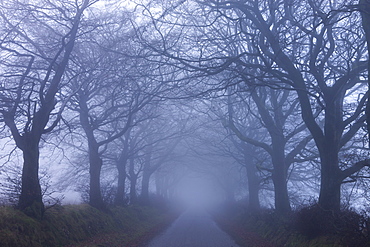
pixel 190 101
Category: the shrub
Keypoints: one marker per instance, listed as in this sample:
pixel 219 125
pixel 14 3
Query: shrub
pixel 314 222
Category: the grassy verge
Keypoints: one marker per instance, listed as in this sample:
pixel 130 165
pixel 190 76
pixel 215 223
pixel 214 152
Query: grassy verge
pixel 308 227
pixel 81 225
pixel 240 233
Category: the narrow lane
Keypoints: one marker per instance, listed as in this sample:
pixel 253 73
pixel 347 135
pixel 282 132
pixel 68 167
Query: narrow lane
pixel 193 229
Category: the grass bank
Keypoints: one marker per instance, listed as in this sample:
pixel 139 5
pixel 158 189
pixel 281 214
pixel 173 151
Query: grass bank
pixel 307 227
pixel 81 225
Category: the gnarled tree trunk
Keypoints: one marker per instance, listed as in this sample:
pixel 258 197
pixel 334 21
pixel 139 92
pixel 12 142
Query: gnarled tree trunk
pixel 121 185
pixel 30 200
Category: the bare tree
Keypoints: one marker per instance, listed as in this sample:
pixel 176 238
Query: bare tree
pixel 121 164
pixel 106 112
pixel 113 88
pixel 323 79
pixel 308 46
pixel 163 135
pixel 277 113
pixel 37 45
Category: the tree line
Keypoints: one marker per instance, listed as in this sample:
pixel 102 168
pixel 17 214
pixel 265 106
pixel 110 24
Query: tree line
pixel 131 89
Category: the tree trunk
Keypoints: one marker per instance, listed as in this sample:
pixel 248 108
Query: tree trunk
pixel 30 200
pixel 282 204
pixel 329 198
pixel 96 163
pixel 279 176
pixel 158 184
pixel 253 179
pixel 147 173
pixel 133 196
pixel 121 187
pixel 133 182
pixel 274 123
pixel 253 188
pixel 145 186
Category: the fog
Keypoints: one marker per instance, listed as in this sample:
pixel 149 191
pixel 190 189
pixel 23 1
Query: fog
pixel 245 105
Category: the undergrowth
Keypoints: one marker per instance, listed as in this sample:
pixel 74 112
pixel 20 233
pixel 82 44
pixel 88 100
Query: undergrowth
pixel 309 226
pixel 72 224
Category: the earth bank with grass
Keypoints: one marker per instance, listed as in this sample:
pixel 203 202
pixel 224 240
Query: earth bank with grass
pixel 81 225
pixel 310 226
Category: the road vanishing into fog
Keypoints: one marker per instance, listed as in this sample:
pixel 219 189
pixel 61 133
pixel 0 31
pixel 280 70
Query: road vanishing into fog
pixel 194 228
